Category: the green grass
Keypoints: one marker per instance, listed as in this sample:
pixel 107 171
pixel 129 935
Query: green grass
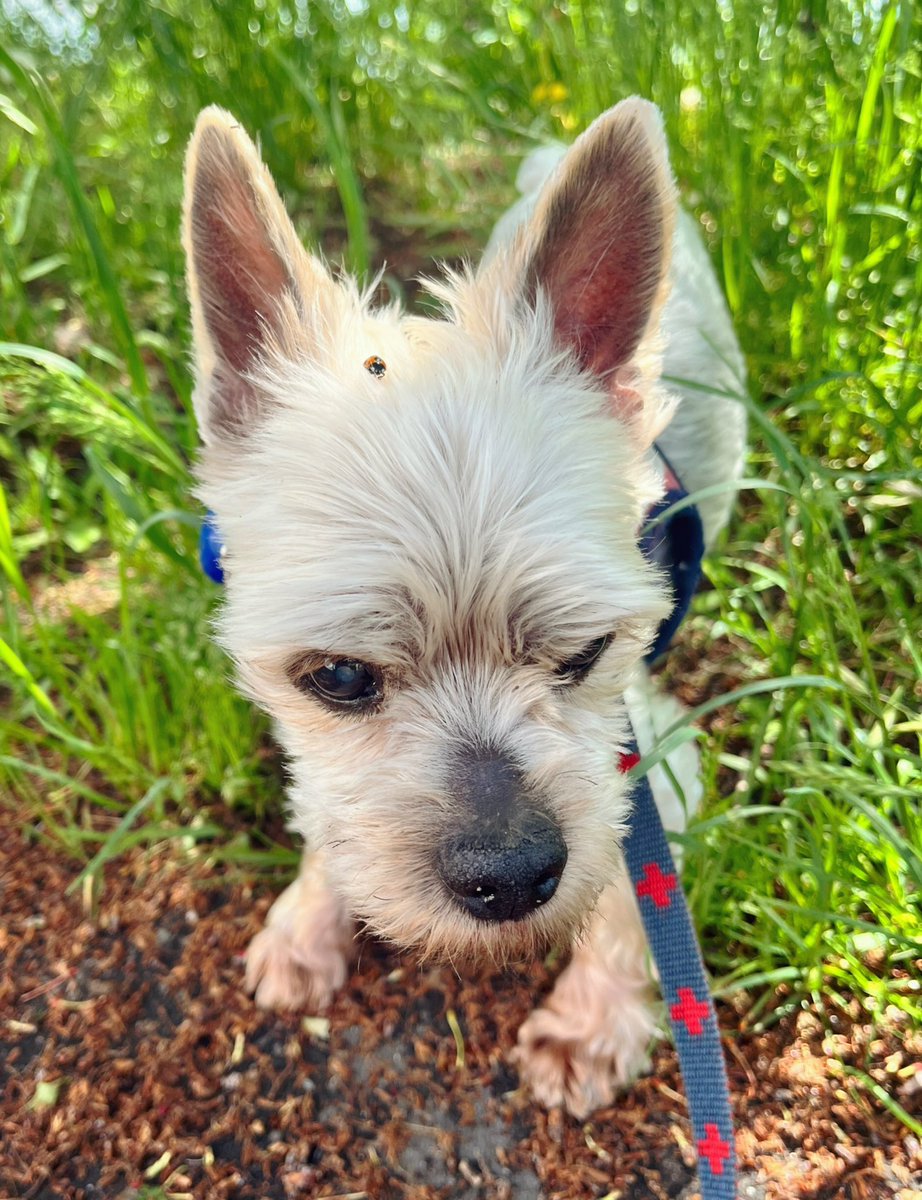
pixel 796 139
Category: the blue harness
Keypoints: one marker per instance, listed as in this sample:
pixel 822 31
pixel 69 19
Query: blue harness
pixel 211 549
pixel 675 543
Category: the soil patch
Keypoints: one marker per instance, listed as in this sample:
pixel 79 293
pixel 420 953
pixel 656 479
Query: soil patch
pixel 132 1064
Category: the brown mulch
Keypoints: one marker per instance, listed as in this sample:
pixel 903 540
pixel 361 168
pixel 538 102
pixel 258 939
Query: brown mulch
pixel 132 1064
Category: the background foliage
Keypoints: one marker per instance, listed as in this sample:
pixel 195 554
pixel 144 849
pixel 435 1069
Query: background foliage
pixel 393 131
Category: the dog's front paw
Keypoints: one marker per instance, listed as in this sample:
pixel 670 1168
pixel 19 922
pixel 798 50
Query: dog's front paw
pixel 301 958
pixel 576 1059
pixel 282 972
pixel 591 1036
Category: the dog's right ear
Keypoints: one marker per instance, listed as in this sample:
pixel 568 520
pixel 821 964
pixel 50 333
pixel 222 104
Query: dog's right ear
pixel 252 286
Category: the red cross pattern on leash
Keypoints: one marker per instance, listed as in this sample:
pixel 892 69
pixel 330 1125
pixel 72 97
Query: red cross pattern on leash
pixel 690 1011
pixel 671 936
pixel 627 761
pixel 656 885
pixel 714 1149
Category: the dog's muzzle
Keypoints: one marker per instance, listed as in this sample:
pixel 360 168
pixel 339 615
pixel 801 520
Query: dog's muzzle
pixel 508 857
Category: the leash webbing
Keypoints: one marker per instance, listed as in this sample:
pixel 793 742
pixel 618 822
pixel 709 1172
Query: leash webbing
pixel 692 1017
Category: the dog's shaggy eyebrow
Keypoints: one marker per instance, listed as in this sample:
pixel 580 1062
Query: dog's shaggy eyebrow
pixel 386 628
pixel 404 630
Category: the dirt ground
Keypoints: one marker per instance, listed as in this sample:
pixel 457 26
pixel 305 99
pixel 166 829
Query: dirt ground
pixel 134 1065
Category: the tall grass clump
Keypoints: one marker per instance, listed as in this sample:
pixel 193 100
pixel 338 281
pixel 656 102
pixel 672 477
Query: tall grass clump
pixel 393 132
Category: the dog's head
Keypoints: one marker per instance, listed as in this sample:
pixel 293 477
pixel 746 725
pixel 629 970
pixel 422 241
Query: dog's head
pixel 433 578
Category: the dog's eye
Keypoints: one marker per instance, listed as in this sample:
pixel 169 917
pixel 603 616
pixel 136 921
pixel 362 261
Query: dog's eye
pixel 342 683
pixel 578 667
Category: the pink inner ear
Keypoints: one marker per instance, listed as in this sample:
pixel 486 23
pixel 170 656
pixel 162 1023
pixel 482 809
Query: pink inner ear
pixel 240 274
pixel 600 241
pixel 604 285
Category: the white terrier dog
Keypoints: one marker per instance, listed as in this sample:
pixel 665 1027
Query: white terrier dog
pixel 434 584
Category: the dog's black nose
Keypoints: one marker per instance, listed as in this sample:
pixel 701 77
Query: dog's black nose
pixel 505 869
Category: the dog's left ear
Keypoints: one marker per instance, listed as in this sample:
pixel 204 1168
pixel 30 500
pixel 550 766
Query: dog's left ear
pixel 598 249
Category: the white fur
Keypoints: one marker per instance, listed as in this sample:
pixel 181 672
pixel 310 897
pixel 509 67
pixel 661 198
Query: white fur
pixel 440 493
pixel 466 523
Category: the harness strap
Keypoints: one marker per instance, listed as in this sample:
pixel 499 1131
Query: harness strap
pixel 674 946
pixel 674 542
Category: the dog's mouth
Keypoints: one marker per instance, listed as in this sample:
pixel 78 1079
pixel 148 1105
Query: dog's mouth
pixel 498 917
pixel 494 869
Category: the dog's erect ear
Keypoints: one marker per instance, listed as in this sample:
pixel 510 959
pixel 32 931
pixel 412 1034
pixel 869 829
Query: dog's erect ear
pixel 598 244
pixel 250 280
